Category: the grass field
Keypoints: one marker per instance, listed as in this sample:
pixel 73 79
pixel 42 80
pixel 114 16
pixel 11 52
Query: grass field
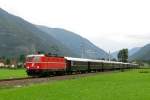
pixel 12 73
pixel 128 85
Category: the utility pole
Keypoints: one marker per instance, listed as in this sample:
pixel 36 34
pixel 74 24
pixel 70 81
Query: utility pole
pixel 33 49
pixel 109 56
pixel 82 50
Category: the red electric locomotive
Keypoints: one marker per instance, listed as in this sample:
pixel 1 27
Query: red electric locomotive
pixel 42 64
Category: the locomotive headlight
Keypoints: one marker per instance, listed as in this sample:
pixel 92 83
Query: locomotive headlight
pixel 38 67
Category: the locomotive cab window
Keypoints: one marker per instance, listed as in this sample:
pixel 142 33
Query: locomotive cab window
pixel 29 59
pixel 36 59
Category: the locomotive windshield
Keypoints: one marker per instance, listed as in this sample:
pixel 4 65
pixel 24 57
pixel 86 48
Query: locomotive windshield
pixel 33 59
pixel 29 59
pixel 36 59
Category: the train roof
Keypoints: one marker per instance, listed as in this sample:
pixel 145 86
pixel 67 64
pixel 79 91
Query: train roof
pixel 91 60
pixel 35 55
pixel 77 59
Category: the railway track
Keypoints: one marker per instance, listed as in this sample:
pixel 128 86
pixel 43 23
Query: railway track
pixel 13 79
pixel 18 82
pixel 34 80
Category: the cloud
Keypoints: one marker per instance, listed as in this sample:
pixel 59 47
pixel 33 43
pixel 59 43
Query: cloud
pixel 109 24
pixel 142 36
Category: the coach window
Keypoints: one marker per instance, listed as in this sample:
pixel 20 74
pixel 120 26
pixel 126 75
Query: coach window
pixel 72 63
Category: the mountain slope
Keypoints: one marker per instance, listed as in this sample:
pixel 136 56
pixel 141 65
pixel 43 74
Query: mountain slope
pixel 76 43
pixel 133 50
pixel 18 36
pixel 142 54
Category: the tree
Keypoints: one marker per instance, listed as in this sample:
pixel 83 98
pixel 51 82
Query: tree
pixel 102 59
pixel 22 58
pixel 7 62
pixel 114 59
pixel 123 55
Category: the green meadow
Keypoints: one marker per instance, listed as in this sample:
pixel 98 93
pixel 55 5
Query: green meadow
pixel 127 85
pixel 12 73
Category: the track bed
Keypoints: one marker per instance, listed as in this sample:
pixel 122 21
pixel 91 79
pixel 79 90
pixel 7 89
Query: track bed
pixel 19 82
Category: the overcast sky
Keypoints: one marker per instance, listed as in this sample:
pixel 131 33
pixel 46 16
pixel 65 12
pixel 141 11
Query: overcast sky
pixel 109 24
